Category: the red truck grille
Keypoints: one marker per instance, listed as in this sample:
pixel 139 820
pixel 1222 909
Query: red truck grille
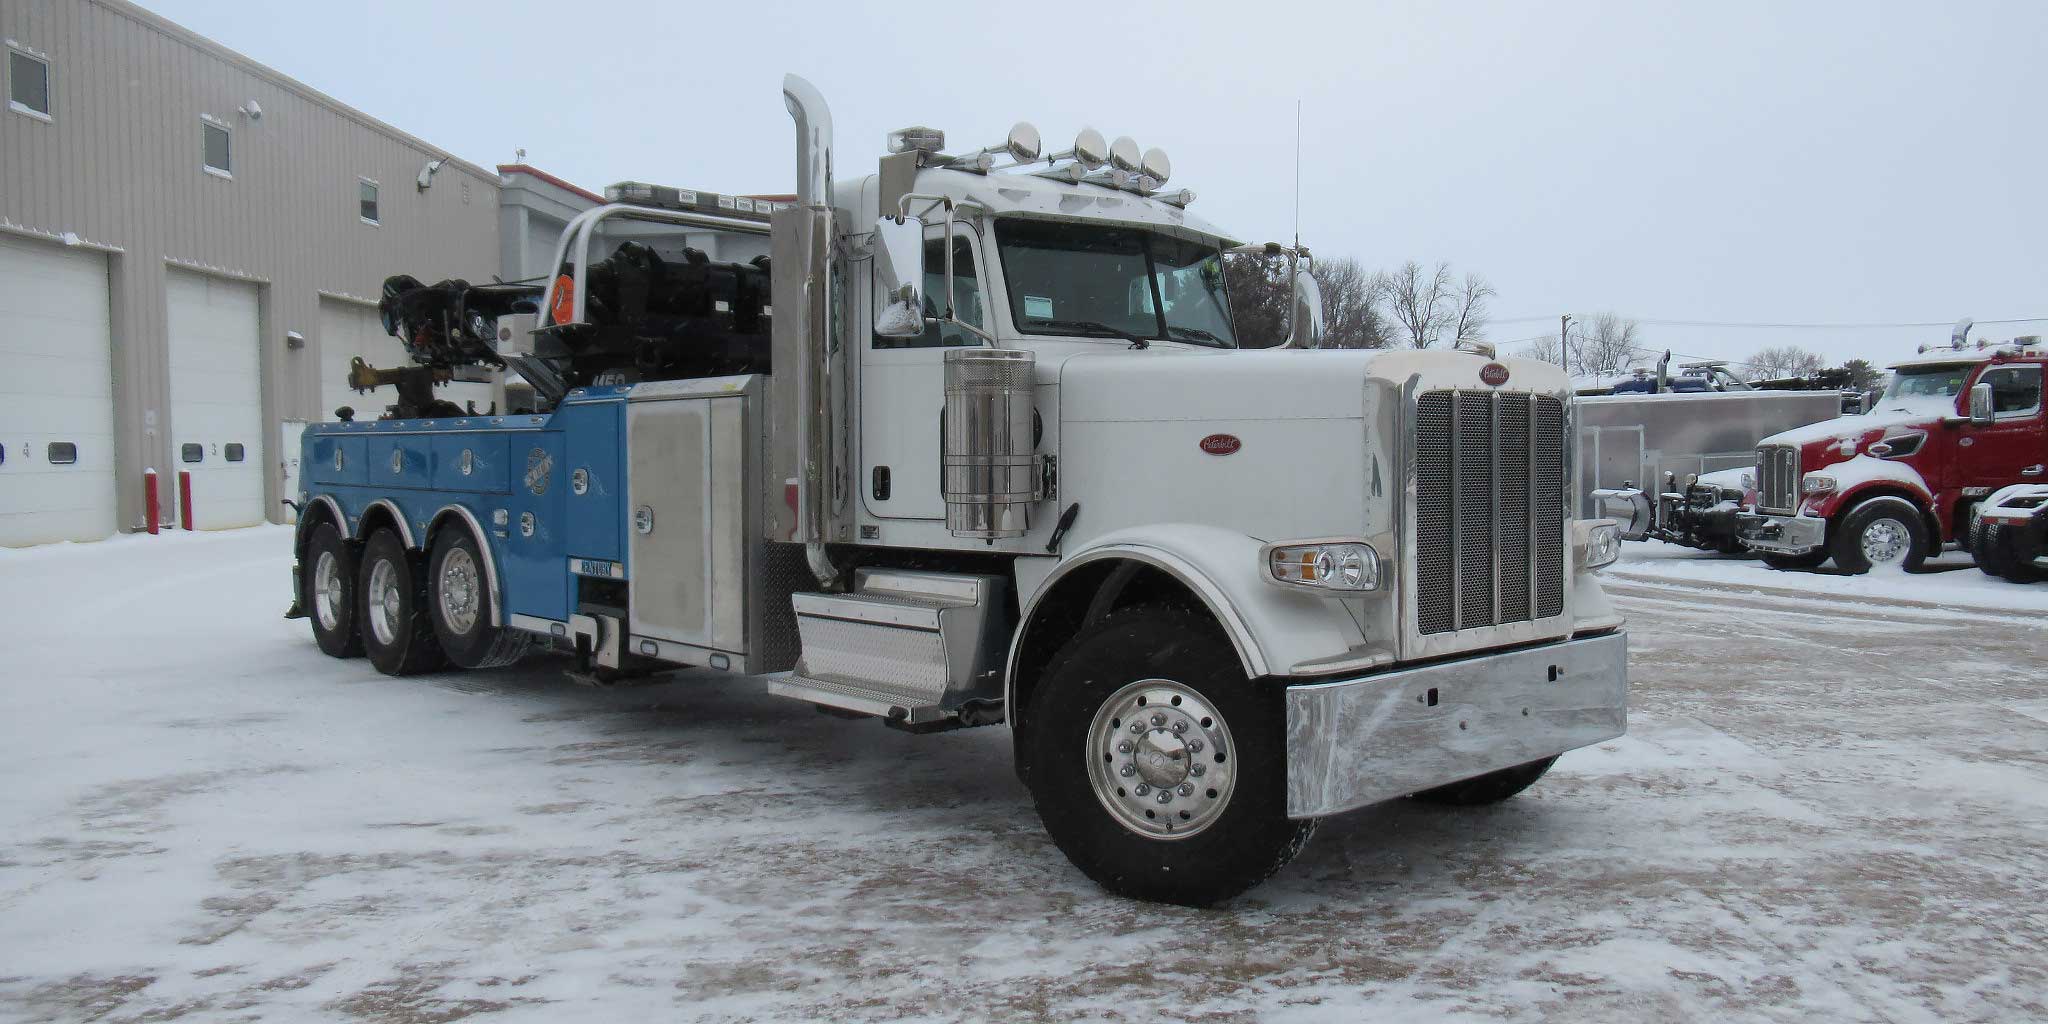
pixel 1777 479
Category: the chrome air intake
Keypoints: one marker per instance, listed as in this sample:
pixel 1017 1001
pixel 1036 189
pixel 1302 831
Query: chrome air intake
pixel 990 470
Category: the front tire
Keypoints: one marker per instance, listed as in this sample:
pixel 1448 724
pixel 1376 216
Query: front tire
pixel 398 634
pixel 461 604
pixel 328 579
pixel 1156 766
pixel 1810 560
pixel 1491 788
pixel 1880 532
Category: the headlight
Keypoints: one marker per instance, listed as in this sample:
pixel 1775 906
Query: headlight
pixel 1596 542
pixel 1748 481
pixel 1337 566
pixel 1817 483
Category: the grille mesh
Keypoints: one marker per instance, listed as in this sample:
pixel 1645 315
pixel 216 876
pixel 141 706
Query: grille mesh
pixel 1489 509
pixel 1777 478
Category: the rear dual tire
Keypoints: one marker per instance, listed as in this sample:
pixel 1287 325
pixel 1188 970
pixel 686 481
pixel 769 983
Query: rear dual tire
pixel 392 602
pixel 327 584
pixel 463 605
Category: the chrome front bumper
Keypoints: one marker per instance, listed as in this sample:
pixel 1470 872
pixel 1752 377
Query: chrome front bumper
pixel 1781 535
pixel 1360 741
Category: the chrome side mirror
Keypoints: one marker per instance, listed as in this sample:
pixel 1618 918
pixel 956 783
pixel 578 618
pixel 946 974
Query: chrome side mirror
pixel 1305 323
pixel 1980 404
pixel 899 277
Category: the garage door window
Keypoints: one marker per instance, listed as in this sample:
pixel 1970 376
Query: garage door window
pixel 218 155
pixel 192 453
pixel 233 453
pixel 62 453
pixel 366 201
pixel 28 84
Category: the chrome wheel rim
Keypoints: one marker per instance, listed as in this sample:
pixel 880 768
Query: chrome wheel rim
pixel 1885 542
pixel 458 591
pixel 327 594
pixel 1161 760
pixel 384 601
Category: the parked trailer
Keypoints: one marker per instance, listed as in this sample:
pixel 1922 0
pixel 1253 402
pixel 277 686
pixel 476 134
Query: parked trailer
pixel 1645 453
pixel 1001 461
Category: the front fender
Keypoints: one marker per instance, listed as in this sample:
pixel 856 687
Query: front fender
pixel 1862 477
pixel 1273 630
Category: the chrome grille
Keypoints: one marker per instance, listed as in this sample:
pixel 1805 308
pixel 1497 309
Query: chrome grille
pixel 1489 509
pixel 1777 478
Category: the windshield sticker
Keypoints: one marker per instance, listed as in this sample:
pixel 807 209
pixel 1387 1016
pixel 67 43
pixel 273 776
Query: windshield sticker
pixel 1037 307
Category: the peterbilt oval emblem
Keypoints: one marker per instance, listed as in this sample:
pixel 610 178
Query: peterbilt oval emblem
pixel 1221 444
pixel 1493 374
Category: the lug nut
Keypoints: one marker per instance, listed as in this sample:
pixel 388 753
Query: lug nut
pixel 1124 747
pixel 1195 746
pixel 1137 727
pixel 1141 789
pixel 1127 771
pixel 1187 789
pixel 1194 770
pixel 1158 720
pixel 1179 727
pixel 1165 797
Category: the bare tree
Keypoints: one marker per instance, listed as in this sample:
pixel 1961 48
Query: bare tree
pixel 1785 361
pixel 1545 348
pixel 1258 299
pixel 1351 295
pixel 1470 300
pixel 1605 344
pixel 1421 302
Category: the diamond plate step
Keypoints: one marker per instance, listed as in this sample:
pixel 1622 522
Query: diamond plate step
pixel 902 704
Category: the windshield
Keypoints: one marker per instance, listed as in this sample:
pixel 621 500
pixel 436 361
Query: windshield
pixel 1925 386
pixel 1092 280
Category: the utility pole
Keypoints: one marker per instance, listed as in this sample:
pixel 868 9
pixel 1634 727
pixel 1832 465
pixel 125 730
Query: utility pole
pixel 1564 352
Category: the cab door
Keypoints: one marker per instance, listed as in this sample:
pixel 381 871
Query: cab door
pixel 2011 449
pixel 902 388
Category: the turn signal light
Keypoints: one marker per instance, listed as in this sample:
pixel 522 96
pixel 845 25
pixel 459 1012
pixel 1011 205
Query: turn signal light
pixel 1335 566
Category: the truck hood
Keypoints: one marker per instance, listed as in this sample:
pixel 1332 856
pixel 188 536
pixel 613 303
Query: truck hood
pixel 1270 384
pixel 1840 440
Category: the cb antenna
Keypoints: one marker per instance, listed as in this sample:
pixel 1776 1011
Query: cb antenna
pixel 1297 172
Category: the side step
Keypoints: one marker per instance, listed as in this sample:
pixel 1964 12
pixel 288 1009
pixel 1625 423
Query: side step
pixel 919 649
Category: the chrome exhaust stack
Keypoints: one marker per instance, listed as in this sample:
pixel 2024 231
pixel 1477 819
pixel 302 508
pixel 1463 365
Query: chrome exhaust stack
pixel 817 474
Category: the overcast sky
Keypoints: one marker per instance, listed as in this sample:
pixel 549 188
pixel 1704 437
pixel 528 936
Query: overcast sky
pixel 1778 163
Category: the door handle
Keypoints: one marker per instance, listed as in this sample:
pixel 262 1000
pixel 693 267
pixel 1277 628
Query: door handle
pixel 2033 470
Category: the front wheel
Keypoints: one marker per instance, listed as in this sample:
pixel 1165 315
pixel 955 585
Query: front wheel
pixel 1491 788
pixel 1810 560
pixel 1157 767
pixel 1884 532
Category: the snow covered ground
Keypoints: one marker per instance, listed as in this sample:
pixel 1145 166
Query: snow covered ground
pixel 1824 810
pixel 1951 580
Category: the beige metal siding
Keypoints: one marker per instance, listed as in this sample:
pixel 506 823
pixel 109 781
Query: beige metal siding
pixel 119 165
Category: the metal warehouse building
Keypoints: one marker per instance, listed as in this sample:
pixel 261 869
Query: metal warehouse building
pixel 191 246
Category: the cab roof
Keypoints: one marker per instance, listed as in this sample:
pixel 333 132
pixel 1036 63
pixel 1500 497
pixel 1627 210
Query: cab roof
pixel 1023 194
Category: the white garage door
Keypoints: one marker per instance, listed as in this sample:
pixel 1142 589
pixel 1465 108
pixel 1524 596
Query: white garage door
pixel 348 330
pixel 56 395
pixel 216 398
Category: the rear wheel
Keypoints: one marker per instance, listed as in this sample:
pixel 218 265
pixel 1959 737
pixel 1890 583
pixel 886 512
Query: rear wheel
pixel 398 634
pixel 1881 532
pixel 1491 788
pixel 328 577
pixel 1157 767
pixel 462 605
pixel 1992 545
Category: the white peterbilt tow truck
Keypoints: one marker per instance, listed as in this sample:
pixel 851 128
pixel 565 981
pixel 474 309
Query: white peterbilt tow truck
pixel 1001 458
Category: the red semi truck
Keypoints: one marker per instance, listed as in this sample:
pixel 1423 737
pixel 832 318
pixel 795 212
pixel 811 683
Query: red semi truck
pixel 1894 485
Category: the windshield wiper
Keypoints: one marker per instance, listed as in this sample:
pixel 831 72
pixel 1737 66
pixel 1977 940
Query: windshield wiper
pixel 1094 327
pixel 1198 334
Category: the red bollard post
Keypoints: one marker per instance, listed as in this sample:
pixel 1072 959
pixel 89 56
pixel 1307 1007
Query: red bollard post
pixel 150 509
pixel 184 499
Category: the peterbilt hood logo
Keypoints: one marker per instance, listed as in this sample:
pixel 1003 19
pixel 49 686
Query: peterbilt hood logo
pixel 1221 444
pixel 1493 374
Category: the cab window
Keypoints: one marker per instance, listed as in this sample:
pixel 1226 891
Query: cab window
pixel 2015 390
pixel 966 298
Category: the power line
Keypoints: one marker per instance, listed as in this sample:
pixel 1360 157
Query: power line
pixel 1661 322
